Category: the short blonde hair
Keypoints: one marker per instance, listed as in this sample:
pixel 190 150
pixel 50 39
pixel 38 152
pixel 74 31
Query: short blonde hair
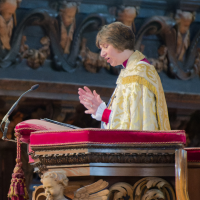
pixel 116 34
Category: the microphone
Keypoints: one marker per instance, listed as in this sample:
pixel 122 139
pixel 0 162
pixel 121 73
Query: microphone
pixel 34 87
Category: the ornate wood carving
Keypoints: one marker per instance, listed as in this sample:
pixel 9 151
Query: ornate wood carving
pixel 92 62
pixel 148 188
pixel 36 57
pixel 83 158
pixel 127 15
pixel 121 191
pixel 54 183
pixel 161 64
pixel 62 34
pixel 38 193
pixel 40 168
pixel 108 146
pixel 94 191
pixel 67 11
pixel 7 10
pixel 153 188
pixel 43 18
pixel 168 29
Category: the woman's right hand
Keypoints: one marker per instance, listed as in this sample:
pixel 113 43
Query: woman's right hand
pixel 91 100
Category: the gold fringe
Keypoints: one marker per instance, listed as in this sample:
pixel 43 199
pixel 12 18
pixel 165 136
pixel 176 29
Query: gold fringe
pixel 26 196
pixel 12 191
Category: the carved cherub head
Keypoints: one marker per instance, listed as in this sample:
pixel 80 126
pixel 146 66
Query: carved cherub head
pixel 127 15
pixel 162 50
pixel 54 183
pixel 68 12
pixel 184 20
pixel 45 40
pixel 7 9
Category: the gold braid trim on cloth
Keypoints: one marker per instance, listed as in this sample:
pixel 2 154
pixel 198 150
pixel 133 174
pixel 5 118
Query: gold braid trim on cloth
pixel 145 74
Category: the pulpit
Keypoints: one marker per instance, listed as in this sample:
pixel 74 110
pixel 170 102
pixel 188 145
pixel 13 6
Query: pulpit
pixel 135 164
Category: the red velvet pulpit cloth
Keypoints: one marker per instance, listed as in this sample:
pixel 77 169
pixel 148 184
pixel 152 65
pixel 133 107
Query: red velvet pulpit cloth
pixel 101 136
pixel 25 128
pixel 42 133
pixel 193 154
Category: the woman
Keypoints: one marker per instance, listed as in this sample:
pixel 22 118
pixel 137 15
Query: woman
pixel 138 102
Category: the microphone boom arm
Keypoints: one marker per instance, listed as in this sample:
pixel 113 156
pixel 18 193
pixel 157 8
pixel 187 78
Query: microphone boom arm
pixel 5 119
pixel 12 108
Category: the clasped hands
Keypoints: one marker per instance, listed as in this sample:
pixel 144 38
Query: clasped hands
pixel 91 100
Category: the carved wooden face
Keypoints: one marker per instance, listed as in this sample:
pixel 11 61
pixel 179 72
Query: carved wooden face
pixel 128 16
pixel 184 25
pixel 53 188
pixel 7 10
pixel 68 15
pixel 162 50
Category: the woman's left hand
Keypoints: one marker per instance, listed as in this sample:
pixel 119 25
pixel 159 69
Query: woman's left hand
pixel 91 100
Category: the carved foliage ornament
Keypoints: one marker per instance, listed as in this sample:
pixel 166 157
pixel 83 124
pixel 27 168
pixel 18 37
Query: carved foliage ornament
pixel 152 188
pixel 121 191
pixel 95 191
pixel 149 188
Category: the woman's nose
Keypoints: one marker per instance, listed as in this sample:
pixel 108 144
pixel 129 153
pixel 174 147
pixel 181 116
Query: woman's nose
pixel 103 53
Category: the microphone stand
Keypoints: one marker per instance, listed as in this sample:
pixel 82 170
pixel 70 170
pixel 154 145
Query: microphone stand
pixel 5 129
pixel 7 121
pixel 5 132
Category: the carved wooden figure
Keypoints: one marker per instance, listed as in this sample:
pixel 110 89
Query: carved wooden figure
pixel 127 16
pixel 51 186
pixel 54 183
pixel 183 20
pixel 7 10
pixel 67 12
